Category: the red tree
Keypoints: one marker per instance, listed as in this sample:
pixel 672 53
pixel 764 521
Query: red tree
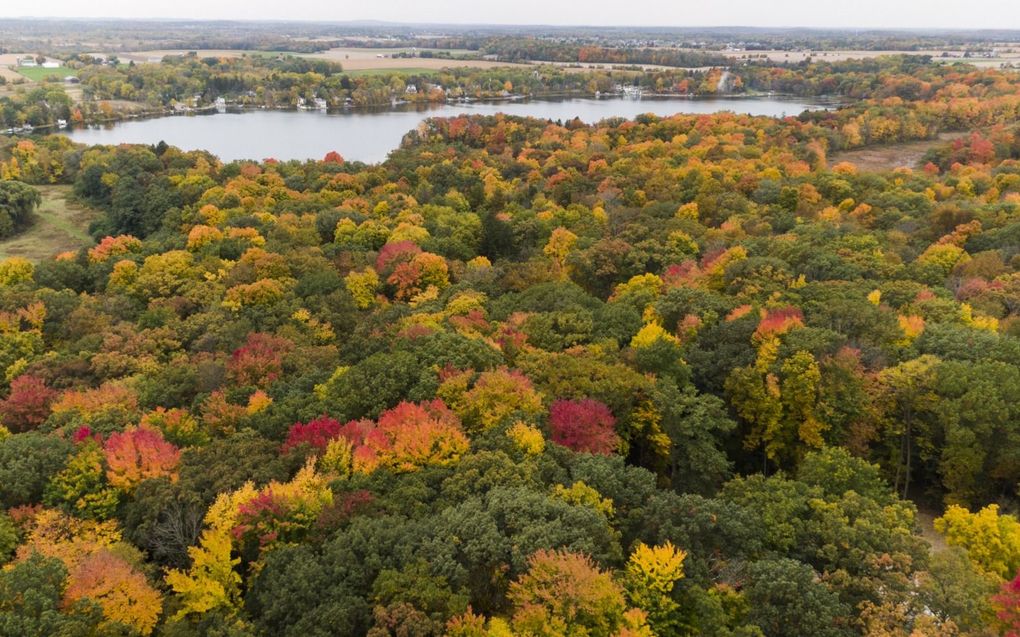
pixel 393 254
pixel 1007 605
pixel 139 454
pixel 779 321
pixel 28 404
pixel 260 360
pixel 407 437
pixel 583 425
pixel 316 433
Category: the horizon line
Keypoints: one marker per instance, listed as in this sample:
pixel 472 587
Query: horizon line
pixel 389 23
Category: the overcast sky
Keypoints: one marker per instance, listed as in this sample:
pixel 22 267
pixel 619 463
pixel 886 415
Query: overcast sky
pixel 1001 14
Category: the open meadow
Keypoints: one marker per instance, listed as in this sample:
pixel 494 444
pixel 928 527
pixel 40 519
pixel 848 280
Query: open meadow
pixel 61 224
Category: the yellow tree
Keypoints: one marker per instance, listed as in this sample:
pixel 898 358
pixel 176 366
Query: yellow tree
pixel 564 593
pixel 558 248
pixel 992 540
pixel 652 573
pixel 121 591
pixel 211 582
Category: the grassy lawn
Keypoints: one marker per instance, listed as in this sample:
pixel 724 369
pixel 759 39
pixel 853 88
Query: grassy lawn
pixel 60 224
pixel 37 73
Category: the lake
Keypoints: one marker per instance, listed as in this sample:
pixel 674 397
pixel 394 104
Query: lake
pixel 370 135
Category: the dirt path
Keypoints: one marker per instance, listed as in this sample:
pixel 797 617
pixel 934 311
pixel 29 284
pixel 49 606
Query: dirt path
pixel 926 522
pixel 61 224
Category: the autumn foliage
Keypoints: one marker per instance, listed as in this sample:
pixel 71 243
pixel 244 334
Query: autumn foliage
pixel 583 425
pixel 407 437
pixel 139 454
pixel 259 361
pixel 315 433
pixel 1007 606
pixel 28 404
pixel 120 590
pixel 666 375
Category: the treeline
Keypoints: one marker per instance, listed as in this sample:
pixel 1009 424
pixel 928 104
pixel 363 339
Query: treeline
pixel 284 82
pixel 514 49
pixel 930 96
pixel 39 106
pixel 17 205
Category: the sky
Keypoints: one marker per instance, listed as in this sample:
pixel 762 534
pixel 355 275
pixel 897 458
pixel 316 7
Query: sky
pixel 998 14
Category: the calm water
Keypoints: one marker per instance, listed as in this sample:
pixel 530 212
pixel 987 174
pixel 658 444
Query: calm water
pixel 370 135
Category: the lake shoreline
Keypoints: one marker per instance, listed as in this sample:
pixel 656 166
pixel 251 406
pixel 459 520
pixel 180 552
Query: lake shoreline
pixel 370 134
pixel 212 109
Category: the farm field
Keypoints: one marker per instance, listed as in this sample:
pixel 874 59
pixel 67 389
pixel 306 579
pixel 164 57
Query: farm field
pixel 61 224
pixel 38 73
pixel 10 70
pixel 7 60
pixel 154 55
pixel 781 56
pixel 410 70
pixel 352 59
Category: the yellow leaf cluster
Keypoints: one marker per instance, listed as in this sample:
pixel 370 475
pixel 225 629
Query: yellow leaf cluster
pixel 527 438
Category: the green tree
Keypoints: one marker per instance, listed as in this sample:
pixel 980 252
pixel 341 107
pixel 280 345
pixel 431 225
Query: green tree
pixel 17 203
pixel 787 600
pixel 906 397
pixel 697 426
pixel 27 462
pixel 31 602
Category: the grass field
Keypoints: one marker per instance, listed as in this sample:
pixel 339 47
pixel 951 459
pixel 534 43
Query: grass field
pixel 394 71
pixel 353 59
pixel 60 224
pixel 37 73
pixel 892 156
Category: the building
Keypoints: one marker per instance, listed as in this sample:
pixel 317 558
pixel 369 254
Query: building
pixel 27 61
pixel 51 64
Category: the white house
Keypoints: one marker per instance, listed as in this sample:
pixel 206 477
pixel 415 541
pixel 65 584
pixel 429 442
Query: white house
pixel 27 61
pixel 51 64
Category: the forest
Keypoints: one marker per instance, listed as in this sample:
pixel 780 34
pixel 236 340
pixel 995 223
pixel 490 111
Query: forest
pixel 685 375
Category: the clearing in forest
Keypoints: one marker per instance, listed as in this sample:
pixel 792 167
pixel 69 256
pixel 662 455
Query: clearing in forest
pixel 60 224
pixel 892 156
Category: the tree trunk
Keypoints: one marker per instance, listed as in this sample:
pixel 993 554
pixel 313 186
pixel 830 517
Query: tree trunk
pixel 906 476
